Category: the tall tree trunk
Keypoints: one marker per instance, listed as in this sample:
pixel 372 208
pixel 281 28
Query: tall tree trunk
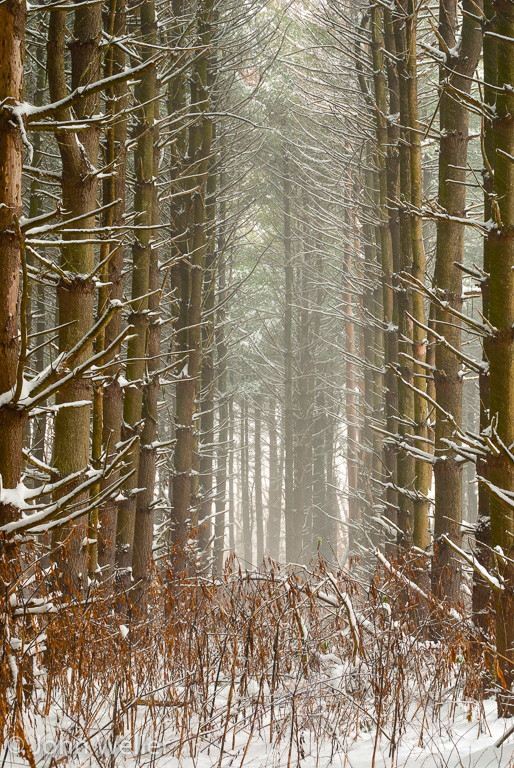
pixel 12 420
pixel 384 295
pixel 114 189
pixel 141 257
pixel 330 534
pixel 304 395
pixel 481 590
pixel 200 140
pixel 245 487
pixel 293 535
pixel 179 268
pixel 259 520
pixel 231 493
pixel 501 351
pixel 385 307
pixel 391 330
pixel 207 388
pixel 142 558
pixel 319 485
pixel 459 67
pixel 223 397
pixel 274 501
pixel 406 416
pixel 423 469
pixel 39 423
pixel 75 294
pixel 351 403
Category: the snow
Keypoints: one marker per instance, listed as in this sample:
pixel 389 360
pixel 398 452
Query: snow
pixel 6 397
pixel 462 746
pixel 320 711
pixel 18 111
pixel 453 740
pixel 17 497
pixel 414 587
pixel 472 560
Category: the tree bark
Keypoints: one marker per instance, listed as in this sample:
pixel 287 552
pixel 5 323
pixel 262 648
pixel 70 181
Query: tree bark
pixel 293 535
pixel 12 419
pixel 259 517
pixel 406 416
pixel 274 501
pixel 200 141
pixel 391 331
pixel 142 558
pixel 460 65
pixel 75 294
pixel 501 352
pixel 221 380
pixel 231 493
pixel 246 514
pixel 351 403
pixel 481 592
pixel 113 189
pixel 423 469
pixel 208 374
pixel 137 349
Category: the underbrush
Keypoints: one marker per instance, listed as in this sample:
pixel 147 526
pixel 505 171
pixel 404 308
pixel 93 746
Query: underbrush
pixel 284 666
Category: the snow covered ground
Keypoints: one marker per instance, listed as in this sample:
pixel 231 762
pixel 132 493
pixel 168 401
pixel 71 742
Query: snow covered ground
pixel 257 672
pixel 456 739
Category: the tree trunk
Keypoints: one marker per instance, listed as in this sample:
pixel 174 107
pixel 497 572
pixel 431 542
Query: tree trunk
pixel 391 330
pixel 12 420
pixel 330 534
pixel 481 591
pixel 304 394
pixel 384 295
pixel 208 375
pixel 142 558
pixel 274 501
pixel 259 521
pixel 351 404
pixel 75 294
pixel 245 487
pixel 141 257
pixel 501 351
pixel 114 189
pixel 231 494
pixel 200 140
pixel 406 463
pixel 293 535
pixel 423 469
pixel 223 409
pixel 454 120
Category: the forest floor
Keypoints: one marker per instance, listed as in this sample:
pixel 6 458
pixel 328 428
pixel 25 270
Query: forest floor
pixel 454 741
pixel 281 667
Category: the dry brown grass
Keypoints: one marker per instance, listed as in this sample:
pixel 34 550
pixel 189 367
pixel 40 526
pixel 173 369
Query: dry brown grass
pixel 277 653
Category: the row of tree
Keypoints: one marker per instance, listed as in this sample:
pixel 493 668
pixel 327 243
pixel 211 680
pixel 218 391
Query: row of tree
pixel 423 322
pixel 133 144
pixel 224 227
pixel 108 182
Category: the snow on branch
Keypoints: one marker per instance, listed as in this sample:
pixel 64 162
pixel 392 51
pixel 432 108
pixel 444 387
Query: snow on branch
pixel 492 580
pixel 424 290
pixel 33 113
pixel 55 514
pixel 414 587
